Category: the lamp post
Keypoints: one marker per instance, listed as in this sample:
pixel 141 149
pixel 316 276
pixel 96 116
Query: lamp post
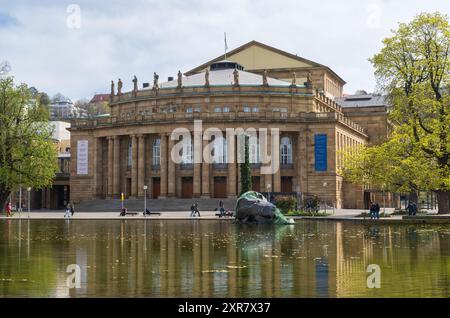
pixel 29 190
pixel 268 186
pixel 325 195
pixel 20 201
pixel 145 200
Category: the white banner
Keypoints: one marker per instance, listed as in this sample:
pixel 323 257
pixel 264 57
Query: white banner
pixel 82 157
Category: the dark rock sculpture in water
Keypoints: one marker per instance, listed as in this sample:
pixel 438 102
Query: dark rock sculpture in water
pixel 253 207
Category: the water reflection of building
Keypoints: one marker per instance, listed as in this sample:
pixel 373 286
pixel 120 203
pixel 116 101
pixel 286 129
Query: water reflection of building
pixel 220 259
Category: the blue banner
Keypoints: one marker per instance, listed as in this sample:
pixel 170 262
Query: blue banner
pixel 320 152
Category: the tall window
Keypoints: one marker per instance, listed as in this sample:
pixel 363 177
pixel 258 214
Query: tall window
pixel 286 151
pixel 253 149
pixel 220 150
pixel 187 152
pixel 130 155
pixel 156 155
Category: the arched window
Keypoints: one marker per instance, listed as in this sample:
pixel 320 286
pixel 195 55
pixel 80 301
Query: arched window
pixel 130 155
pixel 220 150
pixel 286 151
pixel 187 152
pixel 253 150
pixel 156 154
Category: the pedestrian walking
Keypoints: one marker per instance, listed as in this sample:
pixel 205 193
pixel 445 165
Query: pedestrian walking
pixel 8 209
pixel 67 214
pixel 372 211
pixel 411 208
pixel 72 209
pixel 221 209
pixel 377 211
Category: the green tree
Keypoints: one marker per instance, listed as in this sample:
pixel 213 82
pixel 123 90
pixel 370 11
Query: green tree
pixel 413 69
pixel 246 172
pixel 27 153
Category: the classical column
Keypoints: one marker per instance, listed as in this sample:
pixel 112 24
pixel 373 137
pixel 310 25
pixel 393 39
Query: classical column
pixel 304 153
pixel 116 167
pixel 141 165
pixel 134 165
pixel 163 166
pixel 110 166
pixel 277 172
pixel 268 177
pixel 170 169
pixel 98 169
pixel 205 173
pixel 198 157
pixel 298 160
pixel 231 167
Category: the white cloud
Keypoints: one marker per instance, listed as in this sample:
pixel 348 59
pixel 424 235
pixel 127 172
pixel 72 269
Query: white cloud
pixel 122 39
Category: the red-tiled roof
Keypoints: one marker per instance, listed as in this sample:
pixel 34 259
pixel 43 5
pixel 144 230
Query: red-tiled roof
pixel 100 98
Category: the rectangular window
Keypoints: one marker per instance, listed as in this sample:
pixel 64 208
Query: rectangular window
pixel 218 109
pixel 226 109
pixel 189 110
pixel 275 109
pixel 320 152
pixel 246 109
pixel 255 109
pixel 197 109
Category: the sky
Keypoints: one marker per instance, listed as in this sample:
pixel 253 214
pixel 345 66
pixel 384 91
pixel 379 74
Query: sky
pixel 77 47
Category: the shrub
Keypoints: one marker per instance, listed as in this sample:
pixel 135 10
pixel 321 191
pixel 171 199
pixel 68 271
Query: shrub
pixel 285 204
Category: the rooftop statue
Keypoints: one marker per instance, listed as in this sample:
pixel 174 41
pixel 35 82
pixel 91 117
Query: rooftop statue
pixel 207 78
pixel 294 79
pixel 236 77
pixel 155 80
pixel 119 87
pixel 135 84
pixel 265 82
pixel 180 80
pixel 309 80
pixel 112 88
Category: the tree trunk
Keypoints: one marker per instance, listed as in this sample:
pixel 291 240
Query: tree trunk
pixel 443 202
pixel 4 195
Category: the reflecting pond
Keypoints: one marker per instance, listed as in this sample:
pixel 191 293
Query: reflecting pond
pixel 192 258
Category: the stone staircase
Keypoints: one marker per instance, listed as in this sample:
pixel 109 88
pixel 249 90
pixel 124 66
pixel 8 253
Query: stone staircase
pixel 156 205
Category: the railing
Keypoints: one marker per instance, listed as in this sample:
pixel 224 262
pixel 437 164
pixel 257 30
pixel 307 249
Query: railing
pixel 180 116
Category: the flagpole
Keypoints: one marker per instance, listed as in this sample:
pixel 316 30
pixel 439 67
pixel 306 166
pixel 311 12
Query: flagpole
pixel 226 46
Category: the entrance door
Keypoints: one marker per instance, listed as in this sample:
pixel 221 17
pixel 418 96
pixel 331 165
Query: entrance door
pixel 256 184
pixel 286 184
pixel 128 188
pixel 187 187
pixel 220 187
pixel 156 189
pixel 366 200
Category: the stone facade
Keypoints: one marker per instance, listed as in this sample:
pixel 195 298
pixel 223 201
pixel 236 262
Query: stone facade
pixel 132 147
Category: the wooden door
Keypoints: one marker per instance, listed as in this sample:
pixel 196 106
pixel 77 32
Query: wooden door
pixel 187 187
pixel 220 187
pixel 156 189
pixel 286 184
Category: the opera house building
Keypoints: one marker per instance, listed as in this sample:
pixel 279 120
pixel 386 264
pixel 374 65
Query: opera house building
pixel 255 87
